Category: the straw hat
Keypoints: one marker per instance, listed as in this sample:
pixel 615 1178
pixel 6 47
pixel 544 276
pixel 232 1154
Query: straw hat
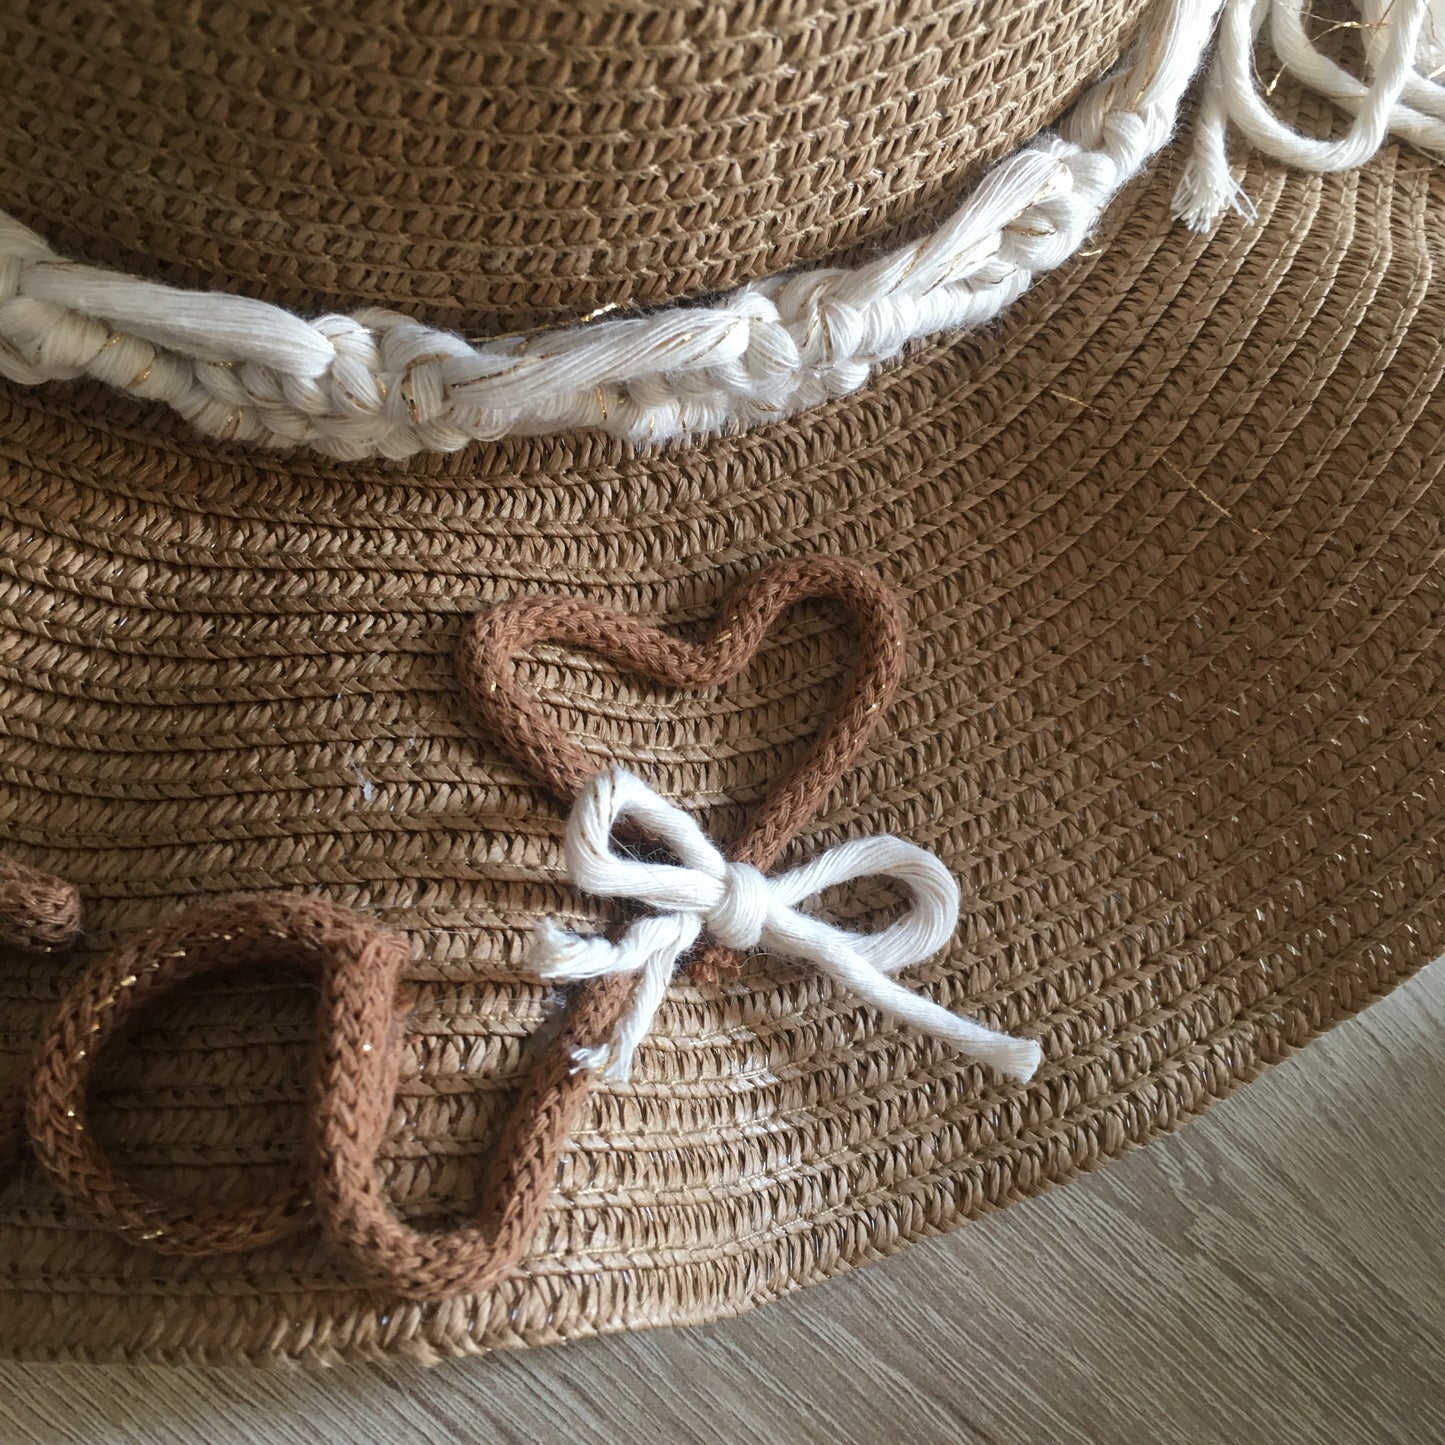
pixel 806 420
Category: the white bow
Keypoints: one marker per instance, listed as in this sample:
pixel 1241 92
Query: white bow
pixel 742 909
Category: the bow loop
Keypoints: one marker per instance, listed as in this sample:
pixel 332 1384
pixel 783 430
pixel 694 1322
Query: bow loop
pixel 742 908
pixel 617 796
pixel 922 930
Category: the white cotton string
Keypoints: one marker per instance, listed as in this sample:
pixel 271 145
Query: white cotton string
pixel 743 909
pixel 1401 96
pixel 380 383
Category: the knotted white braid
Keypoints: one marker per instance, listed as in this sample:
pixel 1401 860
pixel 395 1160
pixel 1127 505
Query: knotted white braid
pixel 1402 53
pixel 377 382
pixel 743 909
pixel 380 383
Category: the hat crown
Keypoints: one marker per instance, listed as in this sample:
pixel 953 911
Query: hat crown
pixel 495 167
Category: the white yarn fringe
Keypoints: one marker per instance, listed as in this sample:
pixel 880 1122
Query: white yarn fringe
pixel 1403 43
pixel 379 383
pixel 743 909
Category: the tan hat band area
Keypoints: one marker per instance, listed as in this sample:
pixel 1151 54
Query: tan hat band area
pixel 379 383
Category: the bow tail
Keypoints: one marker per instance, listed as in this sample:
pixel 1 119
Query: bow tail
pixel 650 948
pixel 1018 1059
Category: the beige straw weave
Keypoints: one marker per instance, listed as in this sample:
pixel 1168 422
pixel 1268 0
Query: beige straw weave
pixel 1169 541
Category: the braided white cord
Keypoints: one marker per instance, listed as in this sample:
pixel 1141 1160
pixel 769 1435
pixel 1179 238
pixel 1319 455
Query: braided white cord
pixel 1401 96
pixel 380 383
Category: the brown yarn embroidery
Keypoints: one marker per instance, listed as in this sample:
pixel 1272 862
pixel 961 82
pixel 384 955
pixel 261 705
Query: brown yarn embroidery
pixel 357 1062
pixel 359 966
pixel 38 912
pixel 538 746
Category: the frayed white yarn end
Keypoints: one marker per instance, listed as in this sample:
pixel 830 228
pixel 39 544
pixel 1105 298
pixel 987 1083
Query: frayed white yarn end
pixel 559 956
pixel 1204 194
pixel 1207 186
pixel 590 1059
pixel 744 909
pixel 1399 96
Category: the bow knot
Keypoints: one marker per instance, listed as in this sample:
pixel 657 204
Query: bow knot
pixel 742 908
pixel 741 913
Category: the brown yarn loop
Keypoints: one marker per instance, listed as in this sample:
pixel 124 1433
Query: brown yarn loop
pixel 357 1062
pixel 39 913
pixel 359 966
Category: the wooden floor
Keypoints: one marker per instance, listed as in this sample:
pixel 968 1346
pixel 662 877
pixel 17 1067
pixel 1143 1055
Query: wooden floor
pixel 1275 1273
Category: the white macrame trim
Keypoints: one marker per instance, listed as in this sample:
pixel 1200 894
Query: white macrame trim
pixel 1403 42
pixel 743 909
pixel 379 383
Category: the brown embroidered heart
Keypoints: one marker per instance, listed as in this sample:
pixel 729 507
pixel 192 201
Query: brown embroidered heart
pixel 536 744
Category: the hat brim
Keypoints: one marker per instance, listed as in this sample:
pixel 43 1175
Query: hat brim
pixel 1169 537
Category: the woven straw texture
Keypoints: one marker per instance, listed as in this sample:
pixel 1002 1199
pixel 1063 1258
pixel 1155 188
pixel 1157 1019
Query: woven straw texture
pixel 458 161
pixel 1169 540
